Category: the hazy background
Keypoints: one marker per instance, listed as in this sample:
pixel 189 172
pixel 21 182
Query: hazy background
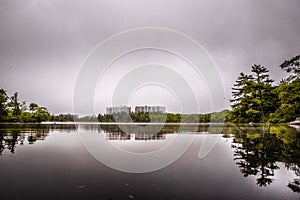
pixel 44 43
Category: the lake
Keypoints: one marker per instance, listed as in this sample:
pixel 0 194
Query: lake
pixel 205 161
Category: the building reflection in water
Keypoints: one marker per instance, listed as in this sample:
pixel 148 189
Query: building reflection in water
pixel 115 132
pixel 134 136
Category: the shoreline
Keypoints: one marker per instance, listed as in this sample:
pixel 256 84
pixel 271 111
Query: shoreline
pixel 140 123
pixel 113 123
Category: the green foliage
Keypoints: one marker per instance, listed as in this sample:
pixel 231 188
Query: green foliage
pixel 292 67
pixel 14 105
pixel 283 114
pixel 252 96
pixel 289 97
pixel 258 149
pixel 91 118
pixel 41 114
pixel 11 110
pixel 33 107
pixel 58 118
pixel 3 104
pixel 255 99
pixel 215 117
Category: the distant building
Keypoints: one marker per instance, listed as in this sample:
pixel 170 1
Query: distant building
pixel 138 109
pixel 118 109
pixel 150 109
pixel 69 116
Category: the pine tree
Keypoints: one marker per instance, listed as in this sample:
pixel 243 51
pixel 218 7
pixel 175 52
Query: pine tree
pixel 253 97
pixel 241 93
pixel 14 104
pixel 262 95
pixel 292 67
pixel 3 104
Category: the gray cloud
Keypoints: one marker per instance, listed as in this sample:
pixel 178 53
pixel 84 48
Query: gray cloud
pixel 43 43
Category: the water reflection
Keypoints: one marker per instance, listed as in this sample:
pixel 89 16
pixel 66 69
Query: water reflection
pixel 258 149
pixel 12 135
pixel 158 129
pixel 127 132
pixel 150 132
pixel 9 139
pixel 134 136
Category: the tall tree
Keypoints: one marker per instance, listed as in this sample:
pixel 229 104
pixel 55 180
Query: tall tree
pixel 252 97
pixel 241 101
pixel 263 97
pixel 292 67
pixel 3 104
pixel 15 104
pixel 241 88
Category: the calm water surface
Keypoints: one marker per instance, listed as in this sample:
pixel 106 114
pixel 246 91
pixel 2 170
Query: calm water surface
pixel 247 162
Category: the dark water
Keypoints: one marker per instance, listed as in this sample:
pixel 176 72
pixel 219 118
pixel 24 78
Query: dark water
pixel 247 162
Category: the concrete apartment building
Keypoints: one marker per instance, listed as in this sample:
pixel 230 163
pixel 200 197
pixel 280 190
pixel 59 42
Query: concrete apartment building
pixel 138 109
pixel 150 109
pixel 69 116
pixel 118 109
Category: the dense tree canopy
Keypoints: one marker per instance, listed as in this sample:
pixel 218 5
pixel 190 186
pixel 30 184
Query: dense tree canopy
pixel 255 99
pixel 12 110
pixel 3 104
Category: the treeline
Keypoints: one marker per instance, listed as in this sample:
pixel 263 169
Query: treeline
pixel 163 117
pixel 12 110
pixel 256 99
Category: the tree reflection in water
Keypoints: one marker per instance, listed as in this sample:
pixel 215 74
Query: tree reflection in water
pixel 12 135
pixel 258 149
pixel 9 139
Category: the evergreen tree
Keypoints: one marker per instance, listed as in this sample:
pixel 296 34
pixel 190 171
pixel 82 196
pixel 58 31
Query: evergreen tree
pixel 3 104
pixel 288 92
pixel 14 104
pixel 292 67
pixel 253 97
pixel 263 99
pixel 241 101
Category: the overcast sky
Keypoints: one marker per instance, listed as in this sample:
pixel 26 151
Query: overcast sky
pixel 43 44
